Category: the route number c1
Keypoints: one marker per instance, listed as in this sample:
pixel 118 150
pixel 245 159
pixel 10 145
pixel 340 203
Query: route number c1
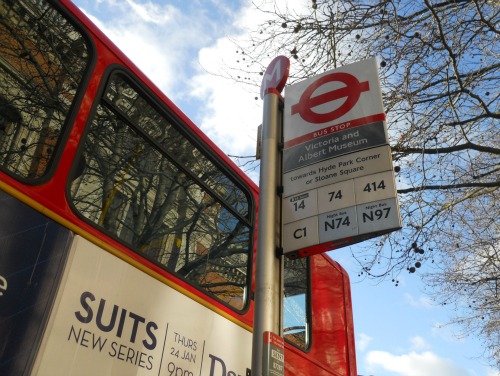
pixel 300 233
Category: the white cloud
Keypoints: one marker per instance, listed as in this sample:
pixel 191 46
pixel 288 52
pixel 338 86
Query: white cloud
pixel 230 114
pixel 362 341
pixel 412 364
pixel 492 372
pixel 155 37
pixel 154 13
pixel 448 333
pixel 419 301
pixel 418 343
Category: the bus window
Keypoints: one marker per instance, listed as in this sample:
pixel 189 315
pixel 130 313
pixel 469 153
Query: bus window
pixel 296 326
pixel 146 184
pixel 42 63
pixel 128 103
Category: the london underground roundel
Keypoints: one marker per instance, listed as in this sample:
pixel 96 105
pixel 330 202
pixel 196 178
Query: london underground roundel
pixel 348 94
pixel 338 98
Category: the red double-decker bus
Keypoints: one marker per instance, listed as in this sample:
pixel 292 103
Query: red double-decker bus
pixel 127 236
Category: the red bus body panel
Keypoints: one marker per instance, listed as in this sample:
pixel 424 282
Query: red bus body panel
pixel 332 337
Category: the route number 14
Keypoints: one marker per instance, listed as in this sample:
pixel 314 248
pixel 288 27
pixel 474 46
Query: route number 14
pixel 301 205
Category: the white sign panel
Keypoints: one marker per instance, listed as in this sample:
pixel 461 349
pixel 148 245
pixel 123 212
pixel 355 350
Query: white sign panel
pixel 378 216
pixel 112 319
pixel 336 196
pixel 375 187
pixel 338 224
pixel 338 183
pixel 350 210
pixel 301 234
pixel 334 170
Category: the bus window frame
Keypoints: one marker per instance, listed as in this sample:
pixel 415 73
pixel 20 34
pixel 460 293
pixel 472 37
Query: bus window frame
pixel 308 311
pixel 184 128
pixel 72 114
pixel 180 127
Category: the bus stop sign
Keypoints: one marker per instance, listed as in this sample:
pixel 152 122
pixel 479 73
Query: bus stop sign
pixel 338 181
pixel 275 76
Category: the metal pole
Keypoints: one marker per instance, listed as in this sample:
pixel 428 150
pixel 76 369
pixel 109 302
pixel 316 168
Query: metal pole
pixel 268 289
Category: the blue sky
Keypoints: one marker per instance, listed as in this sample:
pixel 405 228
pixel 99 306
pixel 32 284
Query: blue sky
pixel 178 43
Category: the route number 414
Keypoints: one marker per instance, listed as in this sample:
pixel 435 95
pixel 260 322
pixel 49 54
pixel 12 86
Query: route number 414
pixel 373 186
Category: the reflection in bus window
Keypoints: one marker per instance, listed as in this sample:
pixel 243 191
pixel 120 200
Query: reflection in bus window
pixel 129 104
pixel 296 316
pixel 42 62
pixel 147 185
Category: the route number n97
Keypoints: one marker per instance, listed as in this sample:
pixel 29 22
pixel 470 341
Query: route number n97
pixel 377 214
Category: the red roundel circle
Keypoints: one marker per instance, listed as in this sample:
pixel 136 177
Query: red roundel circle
pixel 351 92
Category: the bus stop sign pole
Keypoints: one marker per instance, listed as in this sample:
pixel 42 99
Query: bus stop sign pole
pixel 268 286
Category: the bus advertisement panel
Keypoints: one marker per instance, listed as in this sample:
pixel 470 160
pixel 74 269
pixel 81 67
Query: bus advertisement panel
pixel 116 320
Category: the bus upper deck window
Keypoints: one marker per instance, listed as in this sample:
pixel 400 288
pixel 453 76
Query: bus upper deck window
pixel 147 184
pixel 42 62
